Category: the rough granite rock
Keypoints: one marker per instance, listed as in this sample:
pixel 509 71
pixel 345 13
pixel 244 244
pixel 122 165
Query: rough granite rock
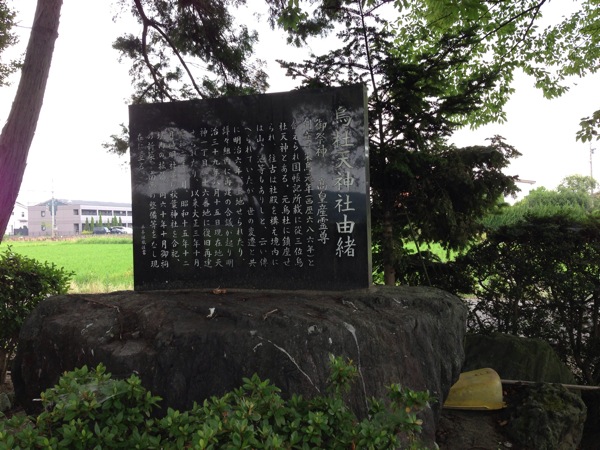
pixel 516 358
pixel 6 402
pixel 189 345
pixel 549 418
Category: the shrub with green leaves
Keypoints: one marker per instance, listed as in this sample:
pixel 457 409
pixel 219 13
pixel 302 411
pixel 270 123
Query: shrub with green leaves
pixel 24 282
pixel 89 410
pixel 540 278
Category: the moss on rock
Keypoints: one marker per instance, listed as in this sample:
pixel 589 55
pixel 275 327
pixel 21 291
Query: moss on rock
pixel 550 418
pixel 515 358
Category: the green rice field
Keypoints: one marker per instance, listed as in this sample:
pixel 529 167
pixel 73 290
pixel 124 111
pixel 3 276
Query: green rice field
pixel 100 264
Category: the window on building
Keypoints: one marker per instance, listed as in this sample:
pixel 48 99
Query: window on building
pixel 43 227
pixel 89 212
pixel 43 213
pixel 105 212
pixel 22 213
pixel 76 212
pixel 76 227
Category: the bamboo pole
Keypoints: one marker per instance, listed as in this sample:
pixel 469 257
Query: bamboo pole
pixel 579 387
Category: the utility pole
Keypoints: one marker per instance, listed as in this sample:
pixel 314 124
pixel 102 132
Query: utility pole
pixel 53 212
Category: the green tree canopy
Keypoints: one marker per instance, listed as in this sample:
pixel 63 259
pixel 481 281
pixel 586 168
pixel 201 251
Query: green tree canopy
pixel 432 66
pixel 578 183
pixel 189 49
pixel 500 36
pixel 572 198
pixel 542 202
pixel 7 39
pixel 422 86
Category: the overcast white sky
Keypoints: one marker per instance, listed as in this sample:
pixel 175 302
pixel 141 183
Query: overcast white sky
pixel 86 100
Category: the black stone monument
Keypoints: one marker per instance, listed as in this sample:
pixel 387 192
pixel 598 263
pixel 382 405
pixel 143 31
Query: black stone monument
pixel 265 191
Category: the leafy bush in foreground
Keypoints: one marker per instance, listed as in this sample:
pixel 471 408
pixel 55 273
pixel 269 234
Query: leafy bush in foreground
pixel 89 410
pixel 24 282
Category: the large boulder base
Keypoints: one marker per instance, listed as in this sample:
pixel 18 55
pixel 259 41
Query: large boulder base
pixel 189 345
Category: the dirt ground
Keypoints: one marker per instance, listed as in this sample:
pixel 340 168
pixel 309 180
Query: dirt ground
pixel 476 430
pixel 472 430
pixel 486 430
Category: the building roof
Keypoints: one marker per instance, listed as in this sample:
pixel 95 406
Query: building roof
pixel 60 201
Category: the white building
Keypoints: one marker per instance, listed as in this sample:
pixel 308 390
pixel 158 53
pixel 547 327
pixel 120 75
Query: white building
pixel 17 224
pixel 71 216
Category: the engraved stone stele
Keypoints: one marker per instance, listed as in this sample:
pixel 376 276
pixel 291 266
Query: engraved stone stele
pixel 265 191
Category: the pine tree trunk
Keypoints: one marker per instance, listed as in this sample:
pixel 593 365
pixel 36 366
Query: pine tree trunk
pixel 20 126
pixel 3 365
pixel 389 269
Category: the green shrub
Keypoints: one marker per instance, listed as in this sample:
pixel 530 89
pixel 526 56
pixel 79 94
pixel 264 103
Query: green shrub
pixel 540 278
pixel 24 282
pixel 89 410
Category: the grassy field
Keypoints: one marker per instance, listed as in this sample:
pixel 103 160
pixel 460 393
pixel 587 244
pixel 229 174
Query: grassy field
pixel 101 264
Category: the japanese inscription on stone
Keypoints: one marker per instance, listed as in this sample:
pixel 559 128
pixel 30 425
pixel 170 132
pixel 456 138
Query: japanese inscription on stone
pixel 260 191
